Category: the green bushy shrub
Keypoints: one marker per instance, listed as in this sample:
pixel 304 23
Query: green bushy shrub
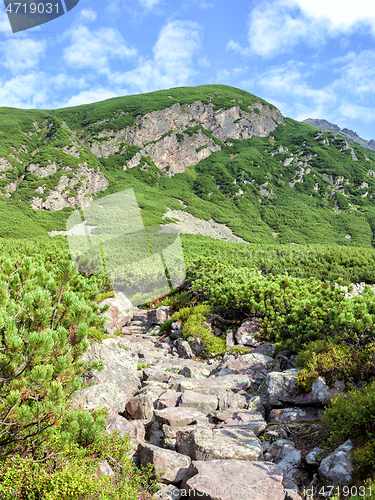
pixel 334 361
pixel 194 325
pixel 351 415
pixel 292 311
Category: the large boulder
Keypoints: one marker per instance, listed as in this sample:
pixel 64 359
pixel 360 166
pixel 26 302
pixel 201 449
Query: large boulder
pixel 233 479
pixel 171 464
pixel 254 365
pixel 135 429
pixel 337 468
pixel 170 433
pixel 107 395
pixel 168 399
pixel 119 314
pixel 120 367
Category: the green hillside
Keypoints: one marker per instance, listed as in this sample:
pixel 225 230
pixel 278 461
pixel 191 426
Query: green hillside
pixel 297 185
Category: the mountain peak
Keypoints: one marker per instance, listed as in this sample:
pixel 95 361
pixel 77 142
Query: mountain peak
pixel 349 134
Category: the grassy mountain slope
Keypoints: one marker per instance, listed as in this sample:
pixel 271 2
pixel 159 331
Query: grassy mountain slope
pixel 297 185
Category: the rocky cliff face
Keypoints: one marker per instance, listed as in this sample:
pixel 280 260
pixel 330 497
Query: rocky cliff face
pixel 180 136
pixel 71 192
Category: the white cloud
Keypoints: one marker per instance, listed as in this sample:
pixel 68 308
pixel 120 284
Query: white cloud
pixel 277 27
pixel 89 96
pixel 149 4
pixel 94 49
pixel 357 73
pixel 289 82
pixel 4 22
pixel 341 15
pixel 354 111
pixel 37 89
pixel 171 65
pixel 87 15
pixel 21 54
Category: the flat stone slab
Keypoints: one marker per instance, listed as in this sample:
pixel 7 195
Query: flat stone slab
pixel 234 383
pixel 179 416
pixel 205 403
pixel 219 444
pixel 246 420
pixel 234 480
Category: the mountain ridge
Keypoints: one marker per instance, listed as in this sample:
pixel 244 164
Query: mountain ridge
pixel 349 134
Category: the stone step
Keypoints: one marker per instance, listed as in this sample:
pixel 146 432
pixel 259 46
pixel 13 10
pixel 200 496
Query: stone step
pixel 132 328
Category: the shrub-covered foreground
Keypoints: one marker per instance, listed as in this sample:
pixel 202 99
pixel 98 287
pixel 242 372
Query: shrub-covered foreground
pixel 48 314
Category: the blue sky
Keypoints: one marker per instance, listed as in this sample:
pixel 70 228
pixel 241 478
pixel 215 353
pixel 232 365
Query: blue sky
pixel 312 59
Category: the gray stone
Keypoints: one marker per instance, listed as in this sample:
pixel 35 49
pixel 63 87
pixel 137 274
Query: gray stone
pixel 230 339
pixel 266 349
pixel 168 399
pixel 196 346
pixel 120 367
pixel 170 433
pixel 281 386
pixel 195 372
pixel 285 455
pixel 173 465
pixel 290 415
pixel 312 458
pixel 233 480
pixel 160 315
pixel 255 404
pixel 282 389
pixel 213 385
pixel 104 469
pixel 135 429
pixel 184 350
pixel 337 468
pixel 167 492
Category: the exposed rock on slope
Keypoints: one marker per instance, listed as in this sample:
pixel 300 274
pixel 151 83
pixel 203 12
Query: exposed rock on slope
pixel 85 182
pixel 188 224
pixel 180 136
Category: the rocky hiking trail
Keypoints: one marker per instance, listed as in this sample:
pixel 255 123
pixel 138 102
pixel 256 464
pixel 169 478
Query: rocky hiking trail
pixel 221 429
